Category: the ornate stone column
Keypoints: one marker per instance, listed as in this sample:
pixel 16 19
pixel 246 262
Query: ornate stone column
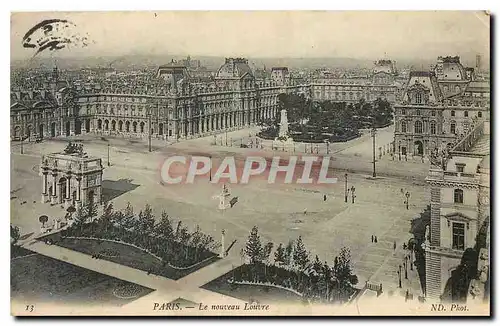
pixel 53 198
pixel 78 192
pixel 44 186
pixel 67 199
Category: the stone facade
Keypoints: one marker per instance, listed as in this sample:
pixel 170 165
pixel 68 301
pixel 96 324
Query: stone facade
pixel 71 179
pixel 42 111
pixel 381 84
pixel 171 106
pixel 460 185
pixel 438 107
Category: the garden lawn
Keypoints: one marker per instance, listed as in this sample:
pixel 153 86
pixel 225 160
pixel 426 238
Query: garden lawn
pixel 127 255
pixel 36 278
pixel 261 293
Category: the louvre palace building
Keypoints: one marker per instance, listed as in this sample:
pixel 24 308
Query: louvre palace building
pixel 170 104
pixel 180 100
pixel 439 106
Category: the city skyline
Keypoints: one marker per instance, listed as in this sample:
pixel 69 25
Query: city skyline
pixel 265 34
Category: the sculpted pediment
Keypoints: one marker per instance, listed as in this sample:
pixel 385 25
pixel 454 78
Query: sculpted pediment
pixel 458 217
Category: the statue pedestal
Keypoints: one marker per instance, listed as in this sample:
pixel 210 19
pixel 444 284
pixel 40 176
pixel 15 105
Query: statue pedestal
pixel 285 145
pixel 224 201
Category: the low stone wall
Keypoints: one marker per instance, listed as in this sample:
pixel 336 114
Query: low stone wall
pixel 266 284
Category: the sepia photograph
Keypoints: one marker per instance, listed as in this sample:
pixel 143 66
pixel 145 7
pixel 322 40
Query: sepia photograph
pixel 250 163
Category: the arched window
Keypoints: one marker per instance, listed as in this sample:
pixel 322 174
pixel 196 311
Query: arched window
pixel 480 114
pixel 452 113
pixel 418 98
pixel 403 126
pixel 433 127
pixel 418 127
pixel 433 113
pixel 458 196
pixel 453 127
pixel 466 113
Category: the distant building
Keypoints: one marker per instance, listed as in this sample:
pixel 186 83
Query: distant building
pixel 380 84
pixel 43 109
pixel 170 105
pixel 438 107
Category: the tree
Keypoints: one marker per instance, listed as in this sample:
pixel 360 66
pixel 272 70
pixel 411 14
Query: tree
pixel 14 234
pixel 196 238
pixel 184 237
pixel 107 216
pixel 90 211
pixel 266 252
pixel 288 254
pixel 342 271
pixel 129 210
pixel 280 256
pixel 253 249
pixel 164 228
pixel 43 219
pixel 146 220
pixel 300 255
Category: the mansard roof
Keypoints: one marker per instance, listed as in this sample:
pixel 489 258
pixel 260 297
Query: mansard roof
pixel 31 99
pixel 234 68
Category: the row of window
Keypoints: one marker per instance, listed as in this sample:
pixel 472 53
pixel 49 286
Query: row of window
pixel 418 127
pixel 433 113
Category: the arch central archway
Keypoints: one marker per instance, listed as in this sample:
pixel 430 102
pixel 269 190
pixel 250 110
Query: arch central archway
pixel 419 148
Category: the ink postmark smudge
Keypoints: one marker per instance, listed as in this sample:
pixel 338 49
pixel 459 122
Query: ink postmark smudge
pixel 54 34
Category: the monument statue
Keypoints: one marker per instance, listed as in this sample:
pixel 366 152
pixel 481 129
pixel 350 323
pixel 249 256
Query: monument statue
pixel 283 132
pixel 286 142
pixel 223 197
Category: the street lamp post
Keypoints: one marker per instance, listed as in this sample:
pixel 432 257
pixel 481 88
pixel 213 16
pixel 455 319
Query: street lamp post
pixel 226 137
pixel 374 132
pixel 406 267
pixel 210 176
pixel 22 142
pixel 346 187
pixel 149 136
pixel 399 275
pixel 411 259
pixel 108 156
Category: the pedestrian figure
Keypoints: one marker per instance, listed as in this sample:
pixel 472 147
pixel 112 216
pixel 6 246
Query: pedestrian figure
pixel 324 197
pixel 372 239
pixel 305 211
pixel 376 239
pixel 394 246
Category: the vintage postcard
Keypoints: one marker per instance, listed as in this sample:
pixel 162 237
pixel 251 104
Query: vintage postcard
pixel 250 163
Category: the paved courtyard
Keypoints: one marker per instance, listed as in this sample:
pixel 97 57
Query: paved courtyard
pixel 278 210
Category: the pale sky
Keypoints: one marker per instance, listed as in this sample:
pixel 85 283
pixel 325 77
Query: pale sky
pixel 305 34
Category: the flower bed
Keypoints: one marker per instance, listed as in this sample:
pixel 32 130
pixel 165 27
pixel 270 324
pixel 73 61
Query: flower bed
pixel 128 291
